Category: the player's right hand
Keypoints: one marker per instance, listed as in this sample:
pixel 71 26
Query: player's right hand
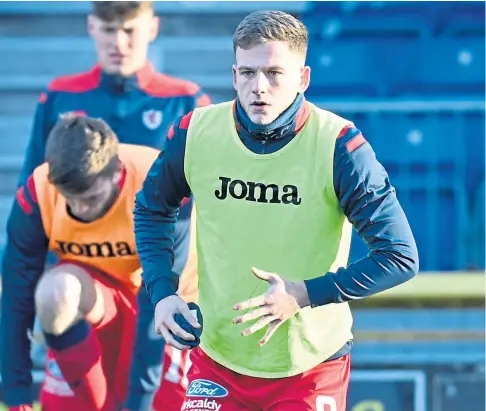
pixel 165 325
pixel 21 408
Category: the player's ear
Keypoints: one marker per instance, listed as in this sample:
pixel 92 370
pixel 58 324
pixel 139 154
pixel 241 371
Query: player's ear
pixel 90 24
pixel 117 175
pixel 235 71
pixel 304 78
pixel 154 28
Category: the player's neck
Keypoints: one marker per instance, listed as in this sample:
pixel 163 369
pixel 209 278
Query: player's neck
pixel 281 127
pixel 122 83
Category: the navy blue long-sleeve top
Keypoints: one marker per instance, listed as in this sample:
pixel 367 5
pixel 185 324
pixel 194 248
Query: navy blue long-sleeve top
pixel 362 187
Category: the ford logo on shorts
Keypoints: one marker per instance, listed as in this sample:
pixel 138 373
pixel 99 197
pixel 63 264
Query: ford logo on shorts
pixel 206 388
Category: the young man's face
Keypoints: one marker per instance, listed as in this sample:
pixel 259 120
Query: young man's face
pixel 267 78
pixel 94 202
pixel 122 46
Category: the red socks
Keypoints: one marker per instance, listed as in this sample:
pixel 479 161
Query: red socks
pixel 80 365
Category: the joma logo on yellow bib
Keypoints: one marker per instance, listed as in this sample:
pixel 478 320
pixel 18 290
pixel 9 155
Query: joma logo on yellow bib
pixel 257 192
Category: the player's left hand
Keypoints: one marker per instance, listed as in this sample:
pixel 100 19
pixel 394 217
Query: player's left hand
pixel 283 300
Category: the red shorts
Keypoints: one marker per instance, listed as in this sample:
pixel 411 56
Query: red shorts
pixel 173 386
pixel 214 387
pixel 115 333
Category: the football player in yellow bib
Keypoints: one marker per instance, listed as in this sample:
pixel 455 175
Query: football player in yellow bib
pixel 277 183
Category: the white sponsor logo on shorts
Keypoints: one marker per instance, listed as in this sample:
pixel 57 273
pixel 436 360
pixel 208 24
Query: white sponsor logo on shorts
pixel 57 387
pixel 54 382
pixel 206 388
pixel 201 405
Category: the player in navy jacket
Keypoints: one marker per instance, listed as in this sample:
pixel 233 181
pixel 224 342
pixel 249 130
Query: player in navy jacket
pixel 139 104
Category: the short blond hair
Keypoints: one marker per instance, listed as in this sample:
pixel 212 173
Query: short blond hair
pixel 263 26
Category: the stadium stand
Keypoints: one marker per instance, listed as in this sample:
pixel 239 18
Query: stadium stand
pixel 411 75
pixel 404 52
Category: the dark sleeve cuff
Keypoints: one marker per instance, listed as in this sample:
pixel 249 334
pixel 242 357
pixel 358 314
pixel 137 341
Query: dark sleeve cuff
pixel 160 289
pixel 18 396
pixel 322 290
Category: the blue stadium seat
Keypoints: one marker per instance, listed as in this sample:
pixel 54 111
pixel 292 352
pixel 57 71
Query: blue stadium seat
pixel 453 7
pixel 371 68
pixel 421 146
pixel 460 18
pixel 345 68
pixel 453 129
pixel 462 23
pixel 326 8
pixel 435 159
pixel 400 67
pixel 438 218
pixel 367 25
pixel 371 23
pixel 424 154
pixel 474 136
pixel 364 20
pixel 447 65
pixel 395 18
pixel 395 63
pixel 477 225
pixel 315 8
